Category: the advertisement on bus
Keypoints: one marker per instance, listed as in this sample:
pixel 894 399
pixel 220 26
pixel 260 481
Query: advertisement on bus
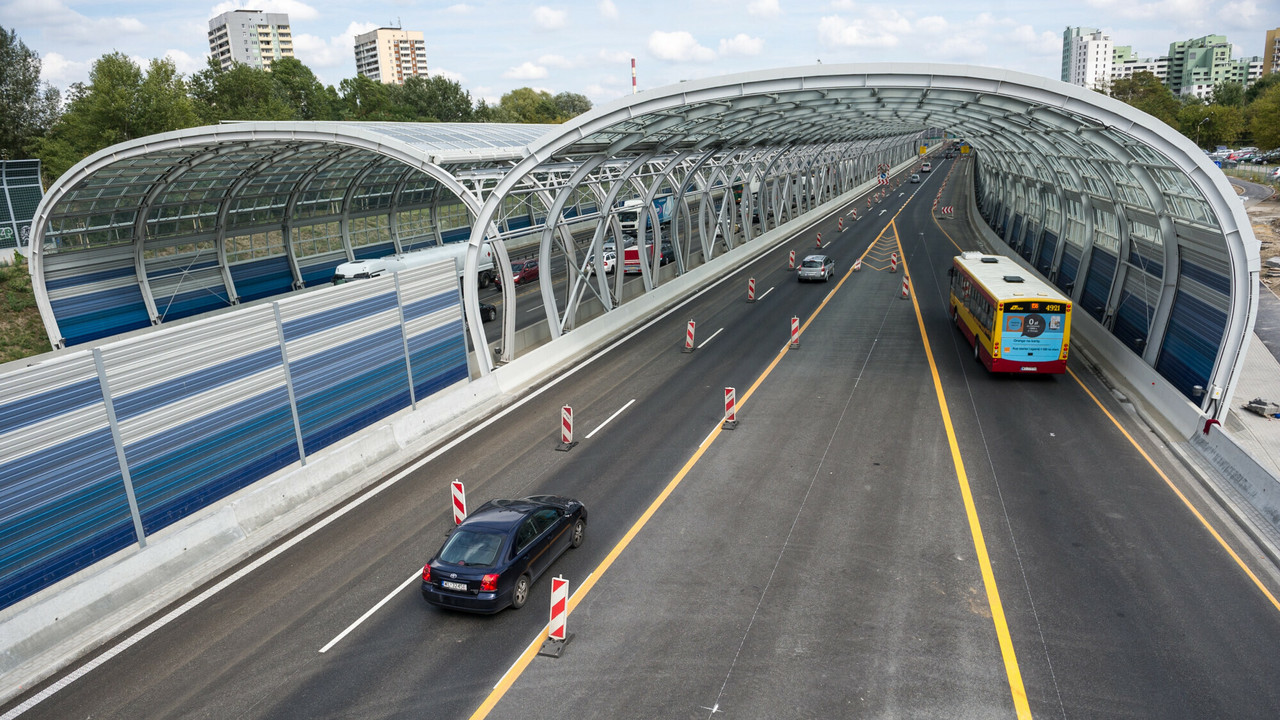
pixel 1032 332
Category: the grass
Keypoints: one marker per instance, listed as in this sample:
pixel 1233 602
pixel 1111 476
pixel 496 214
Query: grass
pixel 22 332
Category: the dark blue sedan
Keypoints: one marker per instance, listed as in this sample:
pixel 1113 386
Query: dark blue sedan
pixel 492 559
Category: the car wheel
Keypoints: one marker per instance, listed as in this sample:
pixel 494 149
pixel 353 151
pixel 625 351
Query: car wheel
pixel 488 315
pixel 520 593
pixel 579 532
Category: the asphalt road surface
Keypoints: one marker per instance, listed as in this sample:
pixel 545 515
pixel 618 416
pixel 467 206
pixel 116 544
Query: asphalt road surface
pixel 889 532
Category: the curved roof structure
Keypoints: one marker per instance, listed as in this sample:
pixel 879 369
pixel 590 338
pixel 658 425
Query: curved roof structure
pixel 1123 213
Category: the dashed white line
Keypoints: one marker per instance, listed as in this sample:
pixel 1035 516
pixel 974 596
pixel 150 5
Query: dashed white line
pixel 611 417
pixel 766 292
pixel 371 611
pixel 704 342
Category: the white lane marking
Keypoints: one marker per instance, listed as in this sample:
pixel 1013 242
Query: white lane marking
pixel 371 611
pixel 374 491
pixel 883 212
pixel 611 417
pixel 704 342
pixel 766 292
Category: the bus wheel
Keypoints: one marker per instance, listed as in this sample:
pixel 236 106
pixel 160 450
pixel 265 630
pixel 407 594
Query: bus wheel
pixel 976 356
pixel 955 316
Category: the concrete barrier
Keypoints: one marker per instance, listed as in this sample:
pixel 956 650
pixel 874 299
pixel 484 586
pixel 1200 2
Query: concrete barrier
pixel 44 633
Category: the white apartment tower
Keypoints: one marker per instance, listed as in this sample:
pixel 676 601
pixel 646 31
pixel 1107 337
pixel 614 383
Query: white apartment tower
pixel 1086 58
pixel 250 37
pixel 389 55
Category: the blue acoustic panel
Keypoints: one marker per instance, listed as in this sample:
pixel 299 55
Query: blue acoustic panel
pixel 62 499
pixel 262 278
pixel 433 328
pixel 202 411
pixel 346 357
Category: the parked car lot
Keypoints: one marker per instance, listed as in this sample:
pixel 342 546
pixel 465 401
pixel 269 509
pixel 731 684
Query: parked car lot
pixel 491 560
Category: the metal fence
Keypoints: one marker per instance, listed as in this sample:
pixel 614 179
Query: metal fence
pixel 103 447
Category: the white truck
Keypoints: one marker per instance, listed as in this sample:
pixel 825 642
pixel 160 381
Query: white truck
pixel 664 208
pixel 457 251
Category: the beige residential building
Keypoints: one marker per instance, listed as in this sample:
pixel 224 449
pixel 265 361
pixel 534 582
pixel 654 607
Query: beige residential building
pixel 250 37
pixel 1271 52
pixel 389 55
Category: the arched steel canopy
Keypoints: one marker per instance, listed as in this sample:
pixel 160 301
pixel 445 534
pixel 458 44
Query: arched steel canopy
pixel 1121 211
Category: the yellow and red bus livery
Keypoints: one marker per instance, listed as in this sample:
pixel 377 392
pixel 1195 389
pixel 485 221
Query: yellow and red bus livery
pixel 1015 321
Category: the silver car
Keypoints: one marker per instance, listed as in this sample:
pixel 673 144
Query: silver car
pixel 817 267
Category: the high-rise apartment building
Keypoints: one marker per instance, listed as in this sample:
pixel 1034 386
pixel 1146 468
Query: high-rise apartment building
pixel 1086 57
pixel 1124 64
pixel 250 37
pixel 1197 65
pixel 1271 52
pixel 389 55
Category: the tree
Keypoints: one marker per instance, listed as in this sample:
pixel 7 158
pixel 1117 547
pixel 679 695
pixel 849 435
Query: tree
pixel 487 113
pixel 527 105
pixel 306 96
pixel 240 92
pixel 436 99
pixel 1264 118
pixel 1260 86
pixel 1145 92
pixel 120 103
pixel 27 107
pixel 571 105
pixel 1211 125
pixel 1228 93
pixel 365 99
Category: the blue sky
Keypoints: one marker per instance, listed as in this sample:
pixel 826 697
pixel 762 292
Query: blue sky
pixel 586 47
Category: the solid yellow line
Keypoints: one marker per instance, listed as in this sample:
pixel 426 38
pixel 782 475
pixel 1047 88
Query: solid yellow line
pixel 531 651
pixel 1181 496
pixel 1016 687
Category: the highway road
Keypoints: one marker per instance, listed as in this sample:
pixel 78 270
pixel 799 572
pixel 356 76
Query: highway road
pixel 889 532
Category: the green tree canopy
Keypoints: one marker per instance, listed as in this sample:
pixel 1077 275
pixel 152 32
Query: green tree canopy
pixel 28 108
pixel 239 92
pixel 119 103
pixel 1260 86
pixel 1264 118
pixel 1145 92
pixel 305 95
pixel 1211 125
pixel 571 105
pixel 435 99
pixel 1228 93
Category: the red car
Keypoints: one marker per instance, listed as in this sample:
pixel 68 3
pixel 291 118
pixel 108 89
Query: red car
pixel 523 271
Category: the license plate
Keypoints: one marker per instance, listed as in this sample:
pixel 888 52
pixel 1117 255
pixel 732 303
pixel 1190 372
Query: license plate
pixel 447 585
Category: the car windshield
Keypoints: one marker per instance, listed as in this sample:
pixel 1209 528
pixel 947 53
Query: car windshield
pixel 466 547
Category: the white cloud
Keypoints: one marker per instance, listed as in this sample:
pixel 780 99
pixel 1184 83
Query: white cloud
pixel 962 48
pixel 678 46
pixel 447 74
pixel 836 32
pixel 525 71
pixel 932 25
pixel 548 18
pixel 296 10
pixel 338 50
pixel 57 70
pixel 608 9
pixel 741 44
pixel 556 61
pixel 185 62
pixel 459 9
pixel 67 25
pixel 616 56
pixel 764 8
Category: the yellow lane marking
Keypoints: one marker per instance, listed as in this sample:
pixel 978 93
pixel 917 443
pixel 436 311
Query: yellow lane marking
pixel 521 663
pixel 1176 491
pixel 975 528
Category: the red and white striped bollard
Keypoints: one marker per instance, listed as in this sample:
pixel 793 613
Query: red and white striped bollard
pixel 791 261
pixel 795 331
pixel 857 265
pixel 688 338
pixel 751 289
pixel 730 409
pixel 459 501
pixel 566 429
pixel 841 226
pixel 818 243
pixel 558 634
pixel 905 291
pixel 893 264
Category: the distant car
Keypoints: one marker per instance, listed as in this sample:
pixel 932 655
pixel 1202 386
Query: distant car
pixel 491 560
pixel 948 155
pixel 523 271
pixel 926 167
pixel 609 259
pixel 915 177
pixel 1275 174
pixel 815 268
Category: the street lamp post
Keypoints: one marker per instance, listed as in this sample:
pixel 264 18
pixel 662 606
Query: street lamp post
pixel 1200 124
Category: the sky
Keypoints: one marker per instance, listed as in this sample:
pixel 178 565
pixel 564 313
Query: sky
pixel 586 46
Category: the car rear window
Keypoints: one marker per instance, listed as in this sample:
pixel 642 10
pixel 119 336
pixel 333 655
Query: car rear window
pixel 812 263
pixel 466 547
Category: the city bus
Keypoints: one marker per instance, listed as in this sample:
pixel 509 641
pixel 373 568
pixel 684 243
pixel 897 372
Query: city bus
pixel 1016 322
